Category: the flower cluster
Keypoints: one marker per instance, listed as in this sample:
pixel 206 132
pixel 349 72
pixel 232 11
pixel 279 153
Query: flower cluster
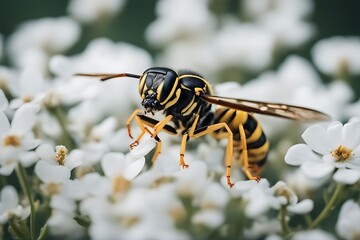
pixel 66 166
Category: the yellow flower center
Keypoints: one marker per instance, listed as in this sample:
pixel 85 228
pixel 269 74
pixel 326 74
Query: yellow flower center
pixel 341 153
pixel 11 140
pixel 120 184
pixel 61 152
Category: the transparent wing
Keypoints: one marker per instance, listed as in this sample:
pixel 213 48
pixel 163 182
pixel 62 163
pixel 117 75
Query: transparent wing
pixel 267 108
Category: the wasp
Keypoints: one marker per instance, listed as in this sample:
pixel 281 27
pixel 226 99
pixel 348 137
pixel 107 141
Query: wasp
pixel 186 100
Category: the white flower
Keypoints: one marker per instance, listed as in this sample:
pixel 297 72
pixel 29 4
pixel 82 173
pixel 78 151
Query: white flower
pixel 337 147
pixel 31 88
pixel 59 156
pixel 120 169
pixel 171 23
pixel 17 139
pixel 244 45
pixel 94 10
pixel 337 55
pixel 35 39
pixel 313 234
pixel 62 224
pixel 288 198
pixel 9 205
pixel 298 9
pixel 259 197
pixel 347 223
pixel 3 101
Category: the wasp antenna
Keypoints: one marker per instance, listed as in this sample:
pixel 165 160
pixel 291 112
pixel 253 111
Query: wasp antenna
pixel 106 76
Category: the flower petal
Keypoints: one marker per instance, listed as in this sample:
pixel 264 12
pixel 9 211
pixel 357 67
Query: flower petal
pixel 4 124
pixel 299 153
pixel 314 169
pixel 48 173
pixel 24 118
pixel 74 159
pixel 134 168
pixel 143 148
pixel 46 152
pixel 317 138
pixel 351 135
pixel 113 164
pixel 302 207
pixel 347 176
pixel 3 101
pixel 9 198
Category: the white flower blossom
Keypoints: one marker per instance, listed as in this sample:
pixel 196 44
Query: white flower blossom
pixel 17 139
pixel 347 223
pixel 313 234
pixel 36 39
pixel 337 55
pixel 9 205
pixel 171 23
pixel 94 10
pixel 327 149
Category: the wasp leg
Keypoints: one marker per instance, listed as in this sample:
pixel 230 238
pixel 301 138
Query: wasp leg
pixel 158 126
pixel 195 133
pixel 128 122
pixel 246 167
pixel 143 130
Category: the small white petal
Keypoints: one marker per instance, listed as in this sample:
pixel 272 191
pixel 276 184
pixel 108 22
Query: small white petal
pixel 300 153
pixel 74 159
pixel 3 101
pixel 97 185
pixel 28 158
pixel 7 169
pixel 48 173
pixel 46 152
pixel 113 164
pixel 347 176
pixel 63 204
pixel 143 148
pixel 9 198
pixel 4 124
pixel 134 168
pixel 73 189
pixel 24 118
pixel 302 207
pixel 209 218
pixel 351 135
pixel 314 169
pixel 317 138
pixel 313 234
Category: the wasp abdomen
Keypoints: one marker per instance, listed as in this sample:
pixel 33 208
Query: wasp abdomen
pixel 256 141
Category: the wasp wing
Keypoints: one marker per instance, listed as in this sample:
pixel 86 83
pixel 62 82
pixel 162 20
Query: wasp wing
pixel 268 108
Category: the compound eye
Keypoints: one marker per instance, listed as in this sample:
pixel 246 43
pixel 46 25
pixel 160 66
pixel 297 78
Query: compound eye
pixel 169 85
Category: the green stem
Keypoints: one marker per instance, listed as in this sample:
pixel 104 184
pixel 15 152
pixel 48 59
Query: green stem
pixel 21 175
pixel 330 205
pixel 65 138
pixel 284 224
pixel 16 229
pixel 43 232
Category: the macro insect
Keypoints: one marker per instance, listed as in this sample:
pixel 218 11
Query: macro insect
pixel 186 99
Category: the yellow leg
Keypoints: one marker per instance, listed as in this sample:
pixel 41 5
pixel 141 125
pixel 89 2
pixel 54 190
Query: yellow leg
pixel 160 125
pixel 128 122
pixel 245 155
pixel 157 151
pixel 143 130
pixel 207 130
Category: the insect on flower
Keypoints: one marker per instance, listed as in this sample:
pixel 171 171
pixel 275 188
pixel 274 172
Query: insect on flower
pixel 186 100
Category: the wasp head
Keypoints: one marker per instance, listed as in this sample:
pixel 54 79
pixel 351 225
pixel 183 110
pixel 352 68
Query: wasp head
pixel 156 87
